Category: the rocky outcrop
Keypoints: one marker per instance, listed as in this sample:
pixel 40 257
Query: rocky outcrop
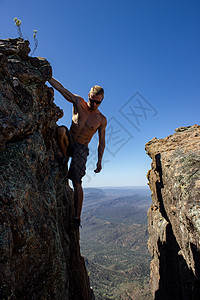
pixel 39 252
pixel 174 217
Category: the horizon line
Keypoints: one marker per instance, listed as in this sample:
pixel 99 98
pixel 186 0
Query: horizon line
pixel 118 187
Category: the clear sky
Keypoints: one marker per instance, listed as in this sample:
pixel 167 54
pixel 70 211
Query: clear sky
pixel 146 55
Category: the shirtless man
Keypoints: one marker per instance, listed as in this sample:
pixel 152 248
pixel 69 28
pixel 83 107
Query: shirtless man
pixel 86 120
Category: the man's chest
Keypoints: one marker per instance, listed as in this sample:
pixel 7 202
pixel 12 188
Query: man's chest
pixel 93 122
pixel 90 121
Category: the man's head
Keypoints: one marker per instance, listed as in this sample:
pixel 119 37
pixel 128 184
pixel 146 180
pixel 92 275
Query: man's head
pixel 95 95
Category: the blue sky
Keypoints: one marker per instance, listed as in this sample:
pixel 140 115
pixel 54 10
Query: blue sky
pixel 146 55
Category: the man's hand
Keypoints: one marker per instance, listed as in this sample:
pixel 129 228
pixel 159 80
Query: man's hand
pixel 99 167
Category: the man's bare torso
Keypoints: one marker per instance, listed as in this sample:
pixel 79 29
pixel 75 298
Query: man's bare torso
pixel 85 122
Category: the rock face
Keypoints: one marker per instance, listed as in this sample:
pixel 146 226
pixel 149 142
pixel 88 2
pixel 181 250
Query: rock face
pixel 174 217
pixel 39 252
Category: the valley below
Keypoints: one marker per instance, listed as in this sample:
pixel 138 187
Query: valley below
pixel 114 242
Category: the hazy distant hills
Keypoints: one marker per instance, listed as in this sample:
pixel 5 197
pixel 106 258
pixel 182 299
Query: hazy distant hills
pixel 114 241
pixel 93 196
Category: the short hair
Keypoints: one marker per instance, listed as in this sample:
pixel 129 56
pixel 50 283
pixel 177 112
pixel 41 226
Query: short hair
pixel 97 90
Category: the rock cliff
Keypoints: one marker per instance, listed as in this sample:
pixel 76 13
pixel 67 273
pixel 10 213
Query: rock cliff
pixel 174 217
pixel 40 254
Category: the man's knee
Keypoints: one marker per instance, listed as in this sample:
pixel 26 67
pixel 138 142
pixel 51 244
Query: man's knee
pixel 61 132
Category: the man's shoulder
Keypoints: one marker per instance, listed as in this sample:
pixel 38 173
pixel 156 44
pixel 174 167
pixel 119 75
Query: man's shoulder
pixel 79 100
pixel 103 119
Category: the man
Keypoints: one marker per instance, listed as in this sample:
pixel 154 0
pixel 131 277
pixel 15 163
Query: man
pixel 86 120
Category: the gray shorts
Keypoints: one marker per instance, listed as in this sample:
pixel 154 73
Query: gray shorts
pixel 78 164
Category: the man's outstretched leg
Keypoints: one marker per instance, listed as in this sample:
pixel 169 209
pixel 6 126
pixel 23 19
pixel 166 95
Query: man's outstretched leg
pixel 78 202
pixel 76 173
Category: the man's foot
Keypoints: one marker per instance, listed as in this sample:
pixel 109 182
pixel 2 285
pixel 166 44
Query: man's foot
pixel 76 223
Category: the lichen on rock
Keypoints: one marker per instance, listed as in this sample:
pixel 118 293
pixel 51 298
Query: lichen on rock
pixel 40 254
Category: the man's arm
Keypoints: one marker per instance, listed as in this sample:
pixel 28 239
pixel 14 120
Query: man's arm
pixel 66 94
pixel 101 145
